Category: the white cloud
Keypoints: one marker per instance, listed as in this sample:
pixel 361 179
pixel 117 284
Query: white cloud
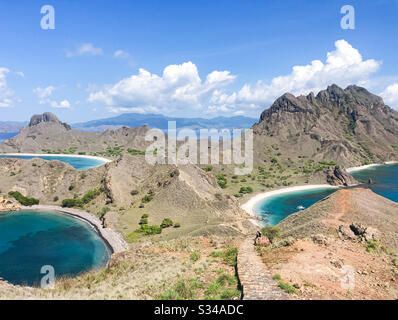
pixel 64 104
pixel 6 94
pixel 120 54
pixel 343 66
pixel 178 87
pixel 390 95
pixel 44 95
pixel 86 49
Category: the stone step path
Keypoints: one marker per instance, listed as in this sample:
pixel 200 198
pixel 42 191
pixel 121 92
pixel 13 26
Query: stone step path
pixel 256 281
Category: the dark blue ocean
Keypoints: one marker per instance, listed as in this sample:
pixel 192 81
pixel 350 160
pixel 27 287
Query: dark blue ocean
pixel 30 240
pixel 79 163
pixel 275 209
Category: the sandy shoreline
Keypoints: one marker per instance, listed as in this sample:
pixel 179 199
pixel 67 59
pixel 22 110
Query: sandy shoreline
pixel 105 160
pixel 112 238
pixel 359 168
pixel 249 205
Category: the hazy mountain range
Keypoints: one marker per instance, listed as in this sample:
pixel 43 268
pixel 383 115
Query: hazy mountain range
pixel 8 129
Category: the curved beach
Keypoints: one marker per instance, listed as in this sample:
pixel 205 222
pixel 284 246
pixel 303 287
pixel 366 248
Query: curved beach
pixel 112 238
pixel 249 205
pixel 359 168
pixel 105 160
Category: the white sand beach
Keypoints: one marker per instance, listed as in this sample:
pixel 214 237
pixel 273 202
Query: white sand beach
pixel 249 205
pixel 359 168
pixel 105 160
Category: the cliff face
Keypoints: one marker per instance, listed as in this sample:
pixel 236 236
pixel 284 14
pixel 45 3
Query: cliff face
pixel 349 126
pixel 47 117
pixel 8 204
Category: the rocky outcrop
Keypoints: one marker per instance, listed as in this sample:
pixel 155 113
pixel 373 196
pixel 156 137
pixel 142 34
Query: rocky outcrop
pixel 47 117
pixel 346 233
pixel 8 204
pixel 347 126
pixel 338 176
pixel 367 233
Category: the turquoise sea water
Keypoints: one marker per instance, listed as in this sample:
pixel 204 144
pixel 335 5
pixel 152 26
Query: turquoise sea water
pixel 31 239
pixel 385 180
pixel 277 208
pixel 80 163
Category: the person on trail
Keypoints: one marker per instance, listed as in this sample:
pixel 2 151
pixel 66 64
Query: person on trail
pixel 258 235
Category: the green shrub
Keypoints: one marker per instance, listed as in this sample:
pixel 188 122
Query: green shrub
pixel 276 277
pixel 246 190
pixel 208 168
pixel 135 152
pixel 134 192
pixel 177 225
pixel 195 256
pixel 372 245
pixel 221 180
pixel 71 188
pixel 70 203
pixel 149 230
pixel 167 222
pixel 143 221
pixel 271 232
pixel 90 195
pixel 145 215
pixel 22 199
pixel 147 198
pixel 55 199
pixel 286 287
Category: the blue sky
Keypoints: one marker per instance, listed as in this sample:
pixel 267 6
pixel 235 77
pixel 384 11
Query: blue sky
pixel 188 58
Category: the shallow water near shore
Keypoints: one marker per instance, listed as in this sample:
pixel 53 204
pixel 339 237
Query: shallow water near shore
pixel 277 208
pixel 30 240
pixel 79 163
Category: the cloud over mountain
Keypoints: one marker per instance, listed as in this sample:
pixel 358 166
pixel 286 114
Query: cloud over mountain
pixel 5 92
pixel 180 86
pixel 343 66
pixel 44 95
pixel 390 95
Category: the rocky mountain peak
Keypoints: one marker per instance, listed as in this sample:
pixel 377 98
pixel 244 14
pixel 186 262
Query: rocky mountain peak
pixel 47 117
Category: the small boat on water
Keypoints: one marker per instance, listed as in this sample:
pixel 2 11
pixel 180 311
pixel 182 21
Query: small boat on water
pixel 300 208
